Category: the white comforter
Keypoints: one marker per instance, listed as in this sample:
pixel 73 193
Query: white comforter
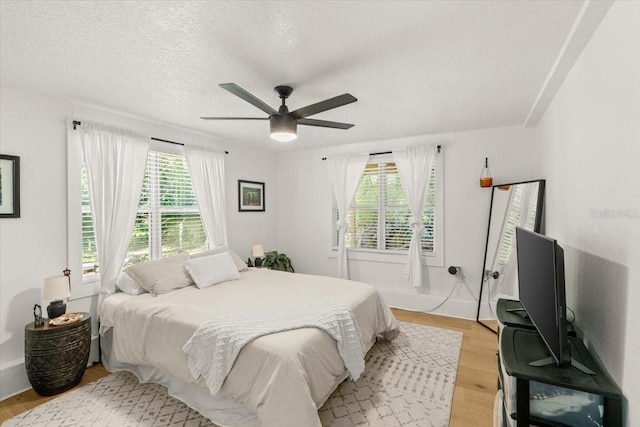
pixel 214 347
pixel 284 377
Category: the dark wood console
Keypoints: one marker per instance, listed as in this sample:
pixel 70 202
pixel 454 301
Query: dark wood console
pixel 520 345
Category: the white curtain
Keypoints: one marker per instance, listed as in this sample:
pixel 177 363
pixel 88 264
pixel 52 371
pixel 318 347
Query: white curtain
pixel 208 177
pixel 115 160
pixel 345 172
pixel 414 168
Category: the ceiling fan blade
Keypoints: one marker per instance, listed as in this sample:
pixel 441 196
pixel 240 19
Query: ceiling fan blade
pixel 324 123
pixel 235 118
pixel 238 91
pixel 327 104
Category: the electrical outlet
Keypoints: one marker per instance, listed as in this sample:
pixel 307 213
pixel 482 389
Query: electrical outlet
pixel 455 270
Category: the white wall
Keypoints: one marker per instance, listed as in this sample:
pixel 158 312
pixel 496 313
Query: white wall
pixel 588 148
pixel 34 246
pixel 304 213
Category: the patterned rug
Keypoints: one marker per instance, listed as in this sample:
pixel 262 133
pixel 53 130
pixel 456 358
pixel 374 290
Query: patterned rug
pixel 408 382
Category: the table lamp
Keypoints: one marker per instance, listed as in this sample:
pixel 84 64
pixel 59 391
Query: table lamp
pixel 55 289
pixel 257 251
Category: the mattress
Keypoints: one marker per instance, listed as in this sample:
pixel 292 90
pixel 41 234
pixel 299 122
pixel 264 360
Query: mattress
pixel 278 380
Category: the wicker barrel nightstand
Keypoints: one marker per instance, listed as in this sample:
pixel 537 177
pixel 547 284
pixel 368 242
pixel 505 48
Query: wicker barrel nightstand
pixel 56 356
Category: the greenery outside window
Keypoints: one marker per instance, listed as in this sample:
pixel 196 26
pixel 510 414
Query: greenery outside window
pixel 168 219
pixel 379 217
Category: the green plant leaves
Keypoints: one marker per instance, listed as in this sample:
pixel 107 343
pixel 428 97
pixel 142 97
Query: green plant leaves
pixel 276 261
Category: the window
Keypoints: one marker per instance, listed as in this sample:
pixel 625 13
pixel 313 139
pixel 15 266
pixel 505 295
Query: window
pixel 379 217
pixel 168 219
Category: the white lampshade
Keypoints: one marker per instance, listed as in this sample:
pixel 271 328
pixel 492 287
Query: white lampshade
pixel 257 251
pixel 55 288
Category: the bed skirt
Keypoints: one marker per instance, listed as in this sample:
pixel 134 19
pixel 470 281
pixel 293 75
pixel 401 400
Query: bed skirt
pixel 222 411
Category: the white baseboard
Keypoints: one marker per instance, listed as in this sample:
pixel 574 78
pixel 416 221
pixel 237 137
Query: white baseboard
pixel 412 301
pixel 13 379
pixel 13 375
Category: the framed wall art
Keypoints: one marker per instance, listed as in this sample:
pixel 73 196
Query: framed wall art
pixel 9 186
pixel 250 196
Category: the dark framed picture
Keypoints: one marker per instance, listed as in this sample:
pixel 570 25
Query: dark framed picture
pixel 250 196
pixel 9 186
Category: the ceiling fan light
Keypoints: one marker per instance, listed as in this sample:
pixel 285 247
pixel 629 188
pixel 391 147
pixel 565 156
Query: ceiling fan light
pixel 283 136
pixel 283 128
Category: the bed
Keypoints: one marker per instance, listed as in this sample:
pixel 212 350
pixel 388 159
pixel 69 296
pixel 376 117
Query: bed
pixel 277 380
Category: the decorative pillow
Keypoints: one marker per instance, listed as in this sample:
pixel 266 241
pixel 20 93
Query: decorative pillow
pixel 126 284
pixel 161 275
pixel 213 269
pixel 242 266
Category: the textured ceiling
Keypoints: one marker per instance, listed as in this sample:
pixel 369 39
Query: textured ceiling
pixel 415 67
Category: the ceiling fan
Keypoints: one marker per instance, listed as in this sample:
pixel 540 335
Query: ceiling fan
pixel 284 123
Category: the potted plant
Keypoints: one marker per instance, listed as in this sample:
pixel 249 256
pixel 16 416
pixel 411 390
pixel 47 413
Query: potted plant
pixel 276 261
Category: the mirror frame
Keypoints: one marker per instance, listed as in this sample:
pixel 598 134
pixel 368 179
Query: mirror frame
pixel 537 227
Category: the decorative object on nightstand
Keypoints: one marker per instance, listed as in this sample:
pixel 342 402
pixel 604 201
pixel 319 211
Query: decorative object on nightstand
pixel 485 176
pixel 257 252
pixel 38 320
pixel 56 356
pixel 66 319
pixel 249 262
pixel 55 289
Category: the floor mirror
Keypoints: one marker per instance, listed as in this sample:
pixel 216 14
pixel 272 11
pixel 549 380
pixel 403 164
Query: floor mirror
pixel 518 204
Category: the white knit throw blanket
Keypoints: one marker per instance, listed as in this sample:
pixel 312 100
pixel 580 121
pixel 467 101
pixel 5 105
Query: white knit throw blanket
pixel 214 346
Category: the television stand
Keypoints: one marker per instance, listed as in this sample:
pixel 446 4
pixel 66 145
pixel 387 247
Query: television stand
pixel 519 347
pixel 549 361
pixel 511 313
pixel 519 311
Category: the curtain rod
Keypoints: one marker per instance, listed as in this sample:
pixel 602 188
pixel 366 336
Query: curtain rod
pixel 387 152
pixel 78 123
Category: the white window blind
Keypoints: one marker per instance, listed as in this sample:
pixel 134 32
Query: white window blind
pixel 513 219
pixel 89 250
pixel 168 219
pixel 379 217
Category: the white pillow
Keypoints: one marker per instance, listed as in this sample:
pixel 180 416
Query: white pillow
pixel 213 269
pixel 126 284
pixel 161 275
pixel 242 266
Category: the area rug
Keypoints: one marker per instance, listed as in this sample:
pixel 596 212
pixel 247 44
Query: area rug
pixel 407 382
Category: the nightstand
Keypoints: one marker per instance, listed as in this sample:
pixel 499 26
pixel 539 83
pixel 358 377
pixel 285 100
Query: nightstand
pixel 56 356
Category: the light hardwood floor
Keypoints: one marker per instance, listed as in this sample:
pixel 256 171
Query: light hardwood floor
pixel 476 380
pixel 477 377
pixel 30 399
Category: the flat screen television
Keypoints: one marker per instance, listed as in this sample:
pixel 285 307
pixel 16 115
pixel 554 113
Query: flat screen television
pixel 541 284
